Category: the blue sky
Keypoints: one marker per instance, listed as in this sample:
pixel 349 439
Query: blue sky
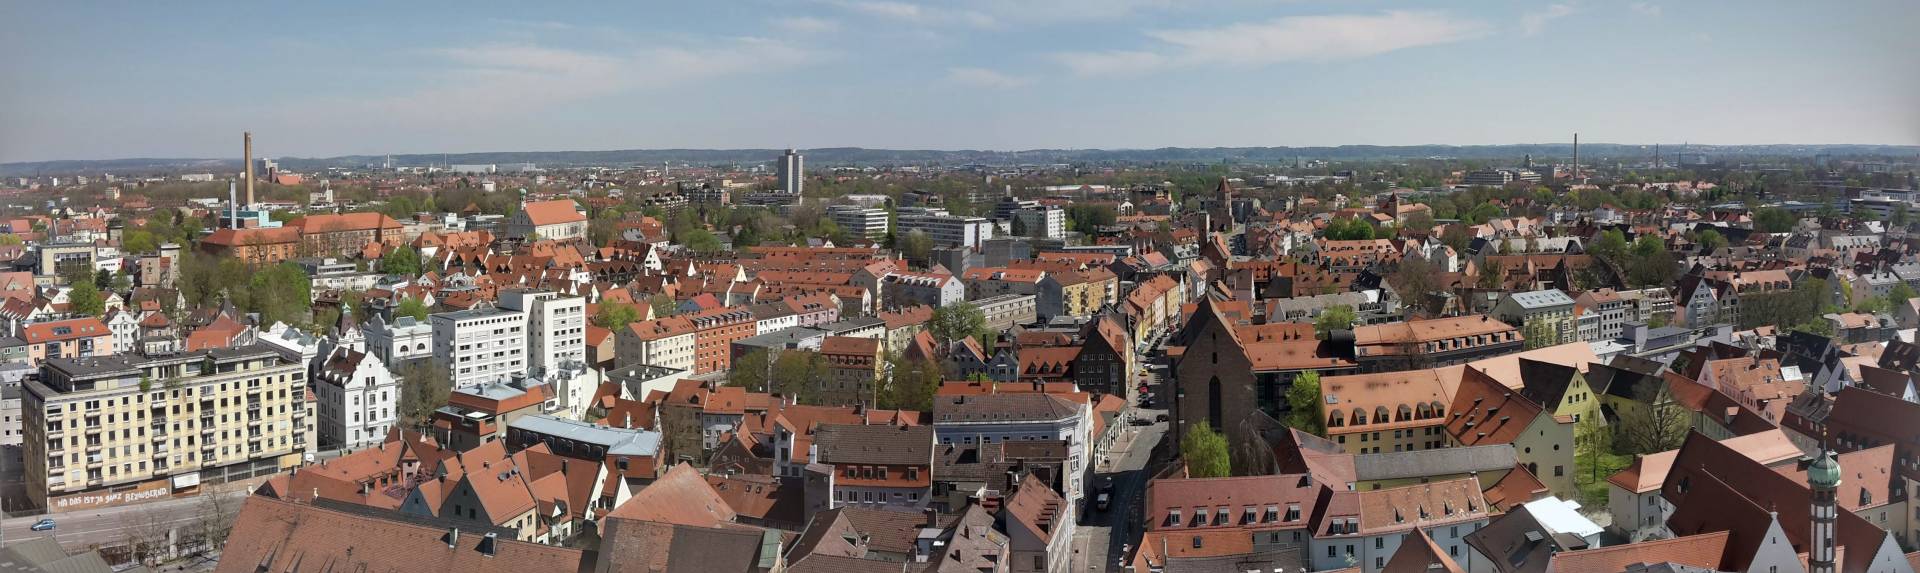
pixel 86 80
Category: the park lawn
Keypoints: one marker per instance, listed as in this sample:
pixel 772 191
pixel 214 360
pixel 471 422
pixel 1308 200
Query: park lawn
pixel 1593 491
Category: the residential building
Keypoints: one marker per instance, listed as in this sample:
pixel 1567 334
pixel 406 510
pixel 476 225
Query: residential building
pixel 791 172
pixel 481 346
pixel 714 332
pixel 108 430
pixel 357 400
pixel 1431 343
pixel 856 369
pixel 667 342
pixel 481 415
pixel 1041 222
pixel 626 449
pixel 1601 315
pixel 1106 363
pixel 69 338
pixel 998 418
pixel 559 219
pixel 877 467
pixel 1544 316
pixel 1008 310
pixel 556 329
pixel 399 341
pixel 914 288
pixel 1486 412
pixel 335 234
pixel 1039 525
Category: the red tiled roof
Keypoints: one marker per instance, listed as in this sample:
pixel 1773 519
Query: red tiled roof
pixel 553 212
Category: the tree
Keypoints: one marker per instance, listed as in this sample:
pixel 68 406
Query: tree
pixel 85 299
pixel 797 374
pixel 701 241
pixel 1413 279
pixel 916 245
pixel 1592 442
pixel 424 388
pixel 122 282
pixel 1541 333
pixel 1900 293
pixel 11 239
pixel 411 306
pixel 102 279
pixel 615 315
pixel 1419 221
pixel 1303 404
pixel 146 529
pixel 912 384
pixel 403 261
pixel 1349 229
pixel 1899 216
pixel 1336 317
pixel 1656 423
pixel 1490 273
pixel 956 321
pixel 214 521
pixel 1205 452
pixel 280 293
pixel 1710 241
pixel 1651 263
pixel 663 305
pixel 751 371
pixel 1773 220
pixel 1611 245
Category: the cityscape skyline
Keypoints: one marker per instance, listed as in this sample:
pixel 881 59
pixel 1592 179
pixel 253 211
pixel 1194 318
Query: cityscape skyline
pixel 986 75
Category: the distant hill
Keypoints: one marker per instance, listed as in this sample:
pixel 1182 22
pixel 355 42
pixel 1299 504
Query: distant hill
pixel 882 157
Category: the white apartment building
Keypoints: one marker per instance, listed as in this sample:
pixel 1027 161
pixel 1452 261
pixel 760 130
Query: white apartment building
pixel 481 345
pixel 1042 222
pixel 125 329
pixel 859 221
pixel 556 328
pixel 357 399
pixel 944 229
pixel 402 340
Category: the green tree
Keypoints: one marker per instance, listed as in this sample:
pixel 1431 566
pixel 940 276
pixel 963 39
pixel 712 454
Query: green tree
pixel 701 241
pixel 1205 452
pixel 956 321
pixel 1710 241
pixel 85 299
pixel 281 293
pixel 916 245
pixel 797 374
pixel 1657 423
pixel 615 315
pixel 403 261
pixel 1349 229
pixel 1899 216
pixel 1773 220
pixel 1900 293
pixel 122 282
pixel 663 305
pixel 411 306
pixel 424 388
pixel 1336 317
pixel 1650 263
pixel 11 239
pixel 1303 404
pixel 912 384
pixel 751 371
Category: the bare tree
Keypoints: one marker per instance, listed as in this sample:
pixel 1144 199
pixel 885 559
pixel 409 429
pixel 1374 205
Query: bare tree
pixel 1657 423
pixel 214 521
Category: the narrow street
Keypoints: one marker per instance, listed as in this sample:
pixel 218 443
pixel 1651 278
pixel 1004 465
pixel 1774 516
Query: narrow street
pixel 1101 541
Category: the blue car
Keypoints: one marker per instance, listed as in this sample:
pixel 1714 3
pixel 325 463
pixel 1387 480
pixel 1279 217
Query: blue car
pixel 45 524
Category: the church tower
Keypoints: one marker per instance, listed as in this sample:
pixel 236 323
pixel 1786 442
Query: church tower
pixel 1824 479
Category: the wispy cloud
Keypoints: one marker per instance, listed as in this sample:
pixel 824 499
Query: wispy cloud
pixel 806 25
pixel 1533 23
pixel 1645 8
pixel 985 78
pixel 1290 39
pixel 532 24
pixel 919 14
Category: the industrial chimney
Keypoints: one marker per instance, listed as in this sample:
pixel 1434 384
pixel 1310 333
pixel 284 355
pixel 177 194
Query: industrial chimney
pixel 1576 164
pixel 249 158
pixel 233 206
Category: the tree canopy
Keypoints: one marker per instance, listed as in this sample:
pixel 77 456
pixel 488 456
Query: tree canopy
pixel 1205 452
pixel 1303 404
pixel 615 315
pixel 956 321
pixel 1349 229
pixel 1336 317
pixel 403 261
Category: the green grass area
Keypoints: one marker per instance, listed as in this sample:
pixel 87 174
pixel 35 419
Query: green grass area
pixel 1593 484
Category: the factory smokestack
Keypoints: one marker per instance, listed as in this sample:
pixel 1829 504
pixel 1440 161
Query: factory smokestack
pixel 233 206
pixel 249 157
pixel 1576 163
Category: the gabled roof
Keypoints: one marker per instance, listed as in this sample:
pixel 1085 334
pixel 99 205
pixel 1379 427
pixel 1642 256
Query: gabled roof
pixel 276 535
pixel 1706 551
pixel 875 445
pixel 1486 412
pixel 555 212
pixel 681 497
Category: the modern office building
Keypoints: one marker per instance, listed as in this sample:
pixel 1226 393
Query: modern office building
pixel 481 345
pixel 792 172
pixel 110 430
pixel 1044 222
pixel 945 229
pixel 860 221
pixel 556 328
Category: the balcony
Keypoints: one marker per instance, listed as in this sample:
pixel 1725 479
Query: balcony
pixel 93 448
pixel 159 450
pixel 53 432
pixel 253 407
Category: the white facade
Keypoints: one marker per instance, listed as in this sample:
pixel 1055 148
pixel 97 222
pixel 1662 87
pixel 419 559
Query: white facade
pixel 1075 429
pixel 481 345
pixel 1047 222
pixel 402 340
pixel 556 328
pixel 358 400
pixel 860 221
pixel 947 230
pixel 125 329
pixel 671 351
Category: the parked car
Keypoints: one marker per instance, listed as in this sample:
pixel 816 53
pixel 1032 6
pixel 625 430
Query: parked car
pixel 1141 422
pixel 1160 418
pixel 45 524
pixel 1101 501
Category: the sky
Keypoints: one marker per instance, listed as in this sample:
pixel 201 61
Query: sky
pixel 101 79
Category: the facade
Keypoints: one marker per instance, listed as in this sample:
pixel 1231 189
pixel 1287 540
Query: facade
pixel 936 290
pixel 357 400
pixel 946 230
pixel 346 233
pixel 556 328
pixel 256 247
pixel 1006 311
pixel 481 346
pixel 877 467
pixel 106 430
pixel 400 341
pixel 1042 222
pixel 714 332
pixel 860 221
pixel 66 339
pixel 855 370
pixel 792 172
pixel 665 342
pixel 1603 315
